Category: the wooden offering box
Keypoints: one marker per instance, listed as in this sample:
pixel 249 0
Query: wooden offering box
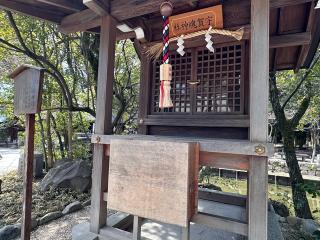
pixel 154 179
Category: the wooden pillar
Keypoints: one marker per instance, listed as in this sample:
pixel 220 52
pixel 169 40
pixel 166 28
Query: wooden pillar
pixel 145 71
pixel 259 78
pixel 103 123
pixel 28 177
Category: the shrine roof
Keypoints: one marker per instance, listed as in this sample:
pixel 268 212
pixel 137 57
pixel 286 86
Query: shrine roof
pixel 294 25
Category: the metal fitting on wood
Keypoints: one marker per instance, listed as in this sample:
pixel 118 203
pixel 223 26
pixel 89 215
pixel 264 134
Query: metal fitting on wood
pixel 260 149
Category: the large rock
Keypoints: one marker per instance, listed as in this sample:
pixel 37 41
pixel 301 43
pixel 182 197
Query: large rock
pixel 10 232
pixel 294 221
pixel 280 209
pixel 50 217
pixel 75 175
pixel 309 226
pixel 38 164
pixel 72 207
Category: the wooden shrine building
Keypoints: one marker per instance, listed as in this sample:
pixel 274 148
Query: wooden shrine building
pixel 219 113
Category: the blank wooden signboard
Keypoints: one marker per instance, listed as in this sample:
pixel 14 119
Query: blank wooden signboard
pixel 154 179
pixel 28 87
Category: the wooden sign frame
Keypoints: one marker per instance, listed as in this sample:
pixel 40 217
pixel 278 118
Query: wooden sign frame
pixel 196 21
pixel 28 85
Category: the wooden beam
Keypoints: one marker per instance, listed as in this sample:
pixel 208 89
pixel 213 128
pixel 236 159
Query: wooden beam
pixel 70 5
pixel 127 35
pixel 222 197
pixel 276 52
pixel 305 49
pixel 219 146
pixel 290 40
pixel 229 161
pixel 145 81
pixel 286 3
pixel 33 11
pixel 80 21
pixel 222 223
pixel 259 93
pixel 120 9
pixel 103 123
pixel 100 7
pixel 126 9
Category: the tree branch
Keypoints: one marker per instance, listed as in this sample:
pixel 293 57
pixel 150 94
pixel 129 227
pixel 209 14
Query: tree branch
pixel 275 100
pixel 304 78
pixel 301 111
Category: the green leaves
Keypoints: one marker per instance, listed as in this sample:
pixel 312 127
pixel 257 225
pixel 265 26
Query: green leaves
pixel 71 70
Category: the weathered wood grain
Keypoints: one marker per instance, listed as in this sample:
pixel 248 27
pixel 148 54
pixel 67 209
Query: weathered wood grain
pixel 290 40
pixel 80 21
pixel 71 5
pixel 100 7
pixel 28 82
pixel 154 180
pixel 258 198
pixel 228 161
pixel 221 146
pixel 45 13
pixel 286 3
pixel 126 9
pixel 304 51
pixel 28 178
pixel 145 81
pixel 223 197
pixel 103 123
pixel 259 79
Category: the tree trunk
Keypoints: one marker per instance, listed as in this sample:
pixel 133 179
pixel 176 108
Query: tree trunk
pixel 314 143
pixel 49 141
pixel 43 141
pixel 299 196
pixel 54 125
pixel 70 133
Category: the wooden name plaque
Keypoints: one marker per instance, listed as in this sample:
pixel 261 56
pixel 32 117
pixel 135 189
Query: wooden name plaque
pixel 154 179
pixel 28 81
pixel 196 21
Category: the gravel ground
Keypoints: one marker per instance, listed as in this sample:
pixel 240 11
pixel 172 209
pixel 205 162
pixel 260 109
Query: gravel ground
pixel 60 229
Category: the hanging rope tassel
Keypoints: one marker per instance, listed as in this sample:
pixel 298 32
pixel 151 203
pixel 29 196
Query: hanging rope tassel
pixel 165 69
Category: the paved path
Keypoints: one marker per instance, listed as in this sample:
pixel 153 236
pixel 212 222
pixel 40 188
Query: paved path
pixel 9 160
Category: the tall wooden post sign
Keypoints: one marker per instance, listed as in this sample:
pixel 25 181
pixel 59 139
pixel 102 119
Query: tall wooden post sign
pixel 28 82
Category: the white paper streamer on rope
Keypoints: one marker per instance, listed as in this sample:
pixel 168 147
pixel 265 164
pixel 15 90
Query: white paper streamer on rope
pixel 208 40
pixel 180 44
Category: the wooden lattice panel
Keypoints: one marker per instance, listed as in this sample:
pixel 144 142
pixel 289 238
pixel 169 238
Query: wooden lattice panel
pixel 220 79
pixel 156 180
pixel 180 92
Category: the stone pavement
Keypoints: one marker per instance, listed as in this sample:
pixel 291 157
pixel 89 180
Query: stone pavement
pixel 152 230
pixel 9 160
